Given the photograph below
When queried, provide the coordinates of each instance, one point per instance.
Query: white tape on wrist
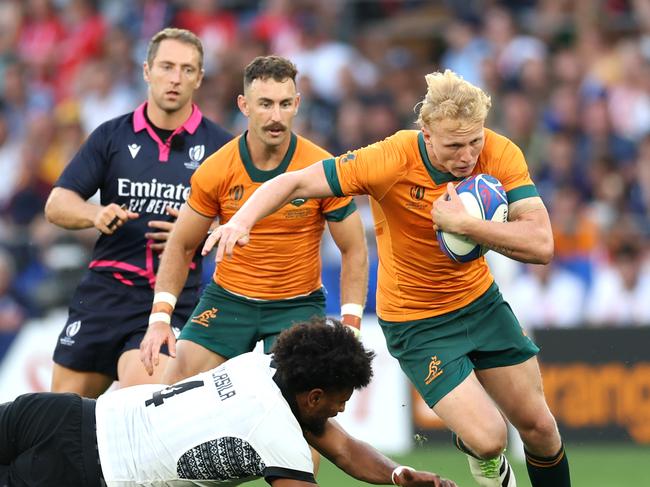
(156, 317)
(399, 470)
(164, 297)
(353, 309)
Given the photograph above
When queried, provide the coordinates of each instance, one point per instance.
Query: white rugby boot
(496, 472)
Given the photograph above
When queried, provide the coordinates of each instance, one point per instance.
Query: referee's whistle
(114, 221)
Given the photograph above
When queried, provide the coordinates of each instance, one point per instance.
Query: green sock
(548, 471)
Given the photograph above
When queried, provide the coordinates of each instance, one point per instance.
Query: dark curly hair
(321, 354)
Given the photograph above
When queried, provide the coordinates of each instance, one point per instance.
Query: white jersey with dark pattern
(221, 427)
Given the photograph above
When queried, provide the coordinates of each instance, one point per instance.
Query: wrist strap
(164, 297)
(156, 317)
(399, 470)
(353, 309)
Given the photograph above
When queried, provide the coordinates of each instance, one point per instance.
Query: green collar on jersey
(438, 177)
(258, 175)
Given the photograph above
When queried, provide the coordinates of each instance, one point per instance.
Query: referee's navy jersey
(125, 159)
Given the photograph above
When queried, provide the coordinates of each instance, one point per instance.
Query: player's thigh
(86, 384)
(224, 323)
(279, 315)
(434, 354)
(131, 371)
(191, 359)
(518, 391)
(470, 412)
(47, 441)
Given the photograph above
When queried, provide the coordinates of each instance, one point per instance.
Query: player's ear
(297, 104)
(145, 71)
(200, 79)
(314, 397)
(243, 105)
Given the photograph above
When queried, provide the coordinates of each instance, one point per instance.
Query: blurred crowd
(569, 80)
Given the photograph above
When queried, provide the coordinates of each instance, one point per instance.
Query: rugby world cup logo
(417, 193)
(71, 330)
(236, 192)
(196, 154)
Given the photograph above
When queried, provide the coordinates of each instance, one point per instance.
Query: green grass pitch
(602, 465)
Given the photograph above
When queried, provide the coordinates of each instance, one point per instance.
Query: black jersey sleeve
(85, 172)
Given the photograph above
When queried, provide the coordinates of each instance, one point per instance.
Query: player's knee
(539, 430)
(490, 449)
(488, 442)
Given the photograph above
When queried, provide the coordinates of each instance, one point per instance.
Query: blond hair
(449, 96)
(183, 35)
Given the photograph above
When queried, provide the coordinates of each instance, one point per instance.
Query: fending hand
(225, 237)
(157, 335)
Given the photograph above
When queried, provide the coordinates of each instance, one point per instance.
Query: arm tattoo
(508, 252)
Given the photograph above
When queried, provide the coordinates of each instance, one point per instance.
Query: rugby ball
(484, 197)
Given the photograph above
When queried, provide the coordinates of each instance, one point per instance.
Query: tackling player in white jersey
(253, 416)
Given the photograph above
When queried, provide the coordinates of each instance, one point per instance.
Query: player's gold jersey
(415, 279)
(282, 259)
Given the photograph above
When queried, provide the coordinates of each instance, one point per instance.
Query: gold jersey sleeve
(415, 279)
(282, 259)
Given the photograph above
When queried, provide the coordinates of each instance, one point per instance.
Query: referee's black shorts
(49, 440)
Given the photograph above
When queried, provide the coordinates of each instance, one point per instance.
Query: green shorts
(438, 353)
(230, 325)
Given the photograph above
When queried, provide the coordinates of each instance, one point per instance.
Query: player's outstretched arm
(309, 182)
(69, 210)
(362, 461)
(186, 235)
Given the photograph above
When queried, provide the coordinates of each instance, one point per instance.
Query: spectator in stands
(547, 296)
(620, 291)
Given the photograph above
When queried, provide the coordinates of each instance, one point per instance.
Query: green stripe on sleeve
(332, 178)
(341, 214)
(522, 192)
